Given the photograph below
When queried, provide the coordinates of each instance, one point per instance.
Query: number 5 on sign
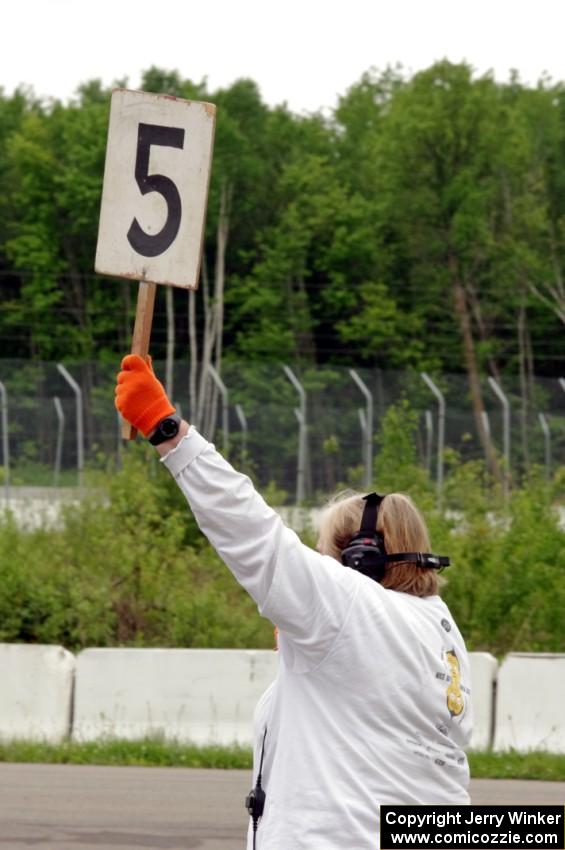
(158, 161)
(155, 191)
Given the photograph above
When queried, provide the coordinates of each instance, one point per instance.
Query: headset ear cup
(366, 550)
(378, 573)
(365, 554)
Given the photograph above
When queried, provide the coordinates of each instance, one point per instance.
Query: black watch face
(169, 427)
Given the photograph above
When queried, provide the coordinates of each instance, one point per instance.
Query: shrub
(129, 567)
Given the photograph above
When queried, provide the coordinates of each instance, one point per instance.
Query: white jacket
(371, 704)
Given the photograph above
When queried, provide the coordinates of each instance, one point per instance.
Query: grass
(160, 753)
(147, 753)
(512, 765)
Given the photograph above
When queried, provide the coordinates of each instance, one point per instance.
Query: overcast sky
(304, 52)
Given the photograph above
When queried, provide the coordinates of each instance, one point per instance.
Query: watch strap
(166, 429)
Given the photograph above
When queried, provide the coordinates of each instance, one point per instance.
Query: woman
(371, 704)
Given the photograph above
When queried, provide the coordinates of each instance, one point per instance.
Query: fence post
(440, 433)
(5, 441)
(497, 389)
(429, 420)
(59, 449)
(367, 429)
(178, 407)
(486, 422)
(362, 421)
(245, 430)
(547, 444)
(224, 393)
(302, 438)
(80, 422)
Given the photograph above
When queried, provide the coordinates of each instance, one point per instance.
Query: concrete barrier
(203, 696)
(36, 688)
(208, 696)
(39, 507)
(484, 668)
(530, 713)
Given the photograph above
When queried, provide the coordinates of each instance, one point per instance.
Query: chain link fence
(303, 431)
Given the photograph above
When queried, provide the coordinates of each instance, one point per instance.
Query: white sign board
(158, 161)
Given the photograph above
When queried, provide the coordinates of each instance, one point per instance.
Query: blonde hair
(403, 529)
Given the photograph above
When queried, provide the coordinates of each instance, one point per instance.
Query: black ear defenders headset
(366, 552)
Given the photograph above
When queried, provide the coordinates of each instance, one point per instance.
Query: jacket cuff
(182, 455)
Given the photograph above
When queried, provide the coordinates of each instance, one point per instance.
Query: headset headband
(370, 513)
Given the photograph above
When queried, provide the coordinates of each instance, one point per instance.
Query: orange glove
(140, 397)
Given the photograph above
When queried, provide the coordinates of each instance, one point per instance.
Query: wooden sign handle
(141, 335)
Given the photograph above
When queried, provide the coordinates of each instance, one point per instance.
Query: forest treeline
(420, 224)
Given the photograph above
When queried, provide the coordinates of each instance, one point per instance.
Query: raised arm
(307, 595)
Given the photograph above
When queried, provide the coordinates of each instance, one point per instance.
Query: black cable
(261, 761)
(255, 802)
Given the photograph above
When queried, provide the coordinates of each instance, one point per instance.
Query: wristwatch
(166, 429)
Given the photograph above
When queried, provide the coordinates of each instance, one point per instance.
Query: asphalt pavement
(82, 807)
